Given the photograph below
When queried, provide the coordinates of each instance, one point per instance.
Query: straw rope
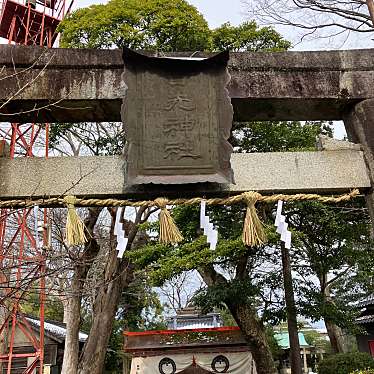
(60, 201)
(253, 230)
(169, 232)
(74, 231)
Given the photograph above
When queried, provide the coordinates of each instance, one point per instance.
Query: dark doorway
(371, 347)
(194, 370)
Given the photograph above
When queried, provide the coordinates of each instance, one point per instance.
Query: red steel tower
(23, 233)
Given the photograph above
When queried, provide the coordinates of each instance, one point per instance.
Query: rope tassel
(169, 232)
(74, 232)
(253, 230)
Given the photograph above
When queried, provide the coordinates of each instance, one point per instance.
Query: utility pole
(295, 357)
(370, 5)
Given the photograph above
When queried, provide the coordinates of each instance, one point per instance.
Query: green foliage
(278, 136)
(227, 318)
(93, 138)
(164, 25)
(276, 350)
(238, 291)
(139, 310)
(315, 339)
(53, 307)
(364, 371)
(248, 37)
(345, 363)
(256, 287)
(332, 240)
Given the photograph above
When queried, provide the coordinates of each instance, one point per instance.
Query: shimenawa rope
(253, 231)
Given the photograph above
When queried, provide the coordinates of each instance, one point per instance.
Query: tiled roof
(365, 319)
(56, 329)
(367, 301)
(186, 321)
(284, 340)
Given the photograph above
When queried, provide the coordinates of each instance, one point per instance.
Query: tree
(152, 24)
(179, 291)
(332, 244)
(162, 25)
(316, 17)
(245, 280)
(248, 37)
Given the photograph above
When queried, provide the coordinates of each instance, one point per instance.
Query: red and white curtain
(231, 362)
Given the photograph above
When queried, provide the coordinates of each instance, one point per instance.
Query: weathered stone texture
(264, 86)
(359, 122)
(178, 118)
(102, 176)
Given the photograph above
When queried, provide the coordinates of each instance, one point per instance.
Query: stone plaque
(177, 116)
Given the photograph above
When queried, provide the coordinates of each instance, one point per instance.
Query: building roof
(365, 319)
(206, 339)
(192, 318)
(284, 340)
(367, 301)
(56, 330)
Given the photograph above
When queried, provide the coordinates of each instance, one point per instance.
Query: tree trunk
(295, 357)
(105, 308)
(254, 333)
(336, 337)
(370, 5)
(118, 274)
(246, 318)
(335, 333)
(72, 318)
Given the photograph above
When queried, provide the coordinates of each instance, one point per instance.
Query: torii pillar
(359, 124)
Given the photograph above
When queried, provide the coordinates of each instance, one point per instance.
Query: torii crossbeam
(65, 85)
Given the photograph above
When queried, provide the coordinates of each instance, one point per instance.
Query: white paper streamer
(121, 246)
(118, 227)
(209, 231)
(214, 240)
(284, 232)
(120, 233)
(282, 221)
(279, 212)
(202, 214)
(282, 226)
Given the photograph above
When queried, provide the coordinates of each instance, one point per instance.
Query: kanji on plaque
(178, 117)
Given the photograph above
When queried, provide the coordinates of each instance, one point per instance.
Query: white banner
(231, 362)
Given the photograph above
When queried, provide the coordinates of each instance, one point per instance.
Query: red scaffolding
(31, 22)
(23, 233)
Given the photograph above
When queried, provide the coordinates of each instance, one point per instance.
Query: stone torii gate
(66, 85)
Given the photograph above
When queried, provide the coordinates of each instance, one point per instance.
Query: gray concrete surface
(322, 172)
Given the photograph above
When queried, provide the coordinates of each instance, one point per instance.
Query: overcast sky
(217, 12)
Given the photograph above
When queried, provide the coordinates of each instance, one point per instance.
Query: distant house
(307, 352)
(365, 320)
(54, 340)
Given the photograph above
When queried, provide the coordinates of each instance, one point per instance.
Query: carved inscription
(174, 121)
(180, 127)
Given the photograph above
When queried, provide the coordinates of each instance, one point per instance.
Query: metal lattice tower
(23, 233)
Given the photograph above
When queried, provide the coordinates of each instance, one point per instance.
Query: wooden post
(295, 357)
(305, 361)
